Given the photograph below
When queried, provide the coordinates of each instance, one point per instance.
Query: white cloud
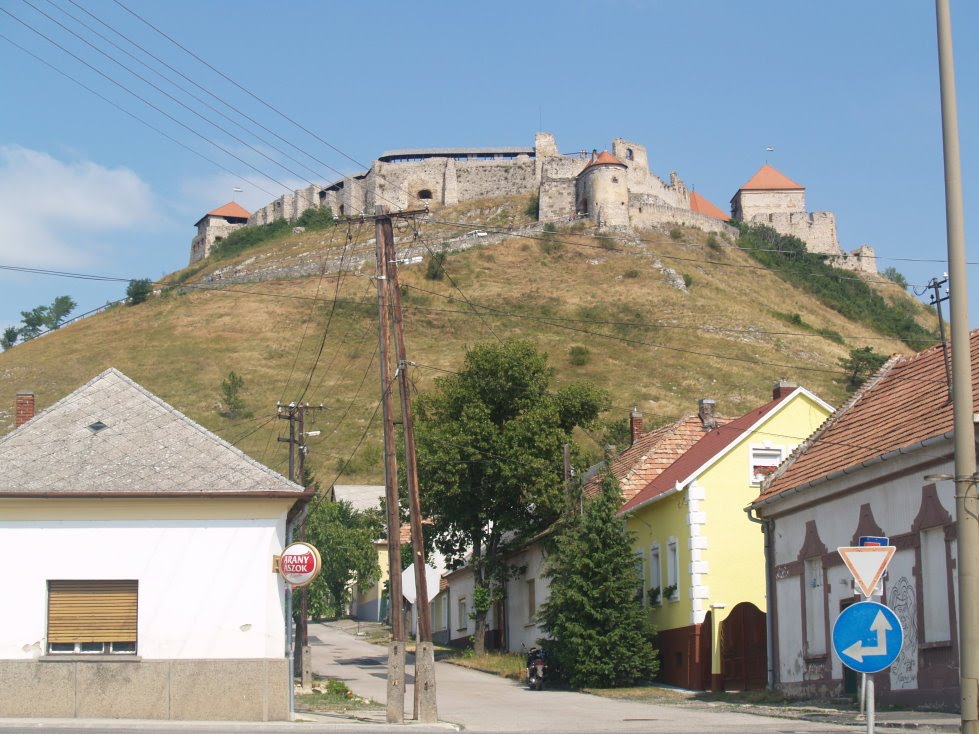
(53, 213)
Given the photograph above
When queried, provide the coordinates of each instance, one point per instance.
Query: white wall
(206, 586)
(521, 629)
(895, 502)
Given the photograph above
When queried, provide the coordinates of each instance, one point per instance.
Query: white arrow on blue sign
(867, 637)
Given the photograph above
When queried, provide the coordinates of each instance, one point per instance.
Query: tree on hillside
(231, 389)
(45, 318)
(345, 538)
(490, 458)
(861, 364)
(138, 291)
(9, 338)
(600, 634)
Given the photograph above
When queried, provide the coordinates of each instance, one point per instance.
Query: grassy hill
(658, 320)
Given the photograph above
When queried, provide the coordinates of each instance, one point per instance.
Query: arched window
(628, 154)
(425, 194)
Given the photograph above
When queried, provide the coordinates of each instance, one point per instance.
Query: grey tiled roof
(360, 496)
(146, 447)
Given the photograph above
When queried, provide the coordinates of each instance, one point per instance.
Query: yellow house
(703, 560)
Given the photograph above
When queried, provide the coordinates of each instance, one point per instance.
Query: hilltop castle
(615, 189)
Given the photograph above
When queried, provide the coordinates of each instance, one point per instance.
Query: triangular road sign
(867, 564)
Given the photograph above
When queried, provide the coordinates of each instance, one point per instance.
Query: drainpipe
(766, 528)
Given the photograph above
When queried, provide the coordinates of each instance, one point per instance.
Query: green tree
(231, 389)
(9, 338)
(893, 274)
(435, 270)
(33, 322)
(138, 291)
(861, 364)
(58, 311)
(490, 458)
(600, 634)
(345, 538)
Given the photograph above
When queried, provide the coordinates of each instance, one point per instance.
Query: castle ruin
(615, 189)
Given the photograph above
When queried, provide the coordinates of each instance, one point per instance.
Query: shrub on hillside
(138, 291)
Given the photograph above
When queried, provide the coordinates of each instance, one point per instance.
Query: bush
(676, 234)
(436, 267)
(631, 273)
(138, 291)
(579, 355)
(533, 207)
(893, 275)
(687, 280)
(231, 389)
(713, 243)
(838, 289)
(316, 218)
(248, 237)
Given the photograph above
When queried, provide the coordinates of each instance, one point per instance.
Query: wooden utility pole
(396, 648)
(426, 709)
(296, 415)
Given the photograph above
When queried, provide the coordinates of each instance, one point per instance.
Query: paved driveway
(486, 703)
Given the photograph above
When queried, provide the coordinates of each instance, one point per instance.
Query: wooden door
(744, 650)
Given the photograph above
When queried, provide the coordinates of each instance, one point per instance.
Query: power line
(144, 100)
(134, 116)
(170, 96)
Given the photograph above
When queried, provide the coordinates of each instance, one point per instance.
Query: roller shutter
(92, 611)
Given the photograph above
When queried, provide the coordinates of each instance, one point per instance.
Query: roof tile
(767, 178)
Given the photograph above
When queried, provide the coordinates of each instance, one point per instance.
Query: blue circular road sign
(867, 637)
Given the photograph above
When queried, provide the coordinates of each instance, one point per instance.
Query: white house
(863, 474)
(138, 566)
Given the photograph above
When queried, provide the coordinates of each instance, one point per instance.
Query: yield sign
(867, 564)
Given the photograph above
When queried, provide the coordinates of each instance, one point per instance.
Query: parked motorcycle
(536, 668)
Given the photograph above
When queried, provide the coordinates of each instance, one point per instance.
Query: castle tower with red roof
(772, 198)
(215, 226)
(602, 190)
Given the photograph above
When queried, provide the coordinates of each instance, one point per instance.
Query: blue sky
(846, 92)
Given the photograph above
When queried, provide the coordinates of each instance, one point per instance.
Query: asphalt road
(480, 702)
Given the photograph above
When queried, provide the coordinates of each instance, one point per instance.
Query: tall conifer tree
(600, 634)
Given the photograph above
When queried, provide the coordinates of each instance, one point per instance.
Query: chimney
(707, 413)
(23, 408)
(635, 425)
(782, 388)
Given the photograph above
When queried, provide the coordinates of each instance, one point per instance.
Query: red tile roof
(231, 209)
(767, 178)
(650, 455)
(700, 453)
(903, 405)
(700, 205)
(604, 159)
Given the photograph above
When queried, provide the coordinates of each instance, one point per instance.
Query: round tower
(602, 191)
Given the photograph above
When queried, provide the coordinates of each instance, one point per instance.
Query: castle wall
(646, 211)
(816, 229)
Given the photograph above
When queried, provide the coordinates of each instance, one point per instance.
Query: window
(934, 580)
(671, 592)
(531, 599)
(815, 608)
(655, 576)
(629, 154)
(463, 622)
(92, 617)
(425, 194)
(641, 573)
(763, 462)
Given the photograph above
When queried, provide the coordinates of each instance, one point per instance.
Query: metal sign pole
(870, 704)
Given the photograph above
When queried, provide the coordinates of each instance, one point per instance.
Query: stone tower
(602, 191)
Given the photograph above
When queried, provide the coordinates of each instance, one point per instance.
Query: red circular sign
(299, 564)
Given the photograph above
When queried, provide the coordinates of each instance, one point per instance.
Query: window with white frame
(815, 597)
(92, 617)
(641, 574)
(655, 576)
(934, 580)
(463, 621)
(672, 590)
(764, 460)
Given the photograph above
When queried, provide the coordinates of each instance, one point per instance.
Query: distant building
(772, 198)
(215, 226)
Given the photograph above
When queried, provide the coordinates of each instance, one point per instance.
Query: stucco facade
(696, 545)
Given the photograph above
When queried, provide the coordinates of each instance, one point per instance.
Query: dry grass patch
(507, 665)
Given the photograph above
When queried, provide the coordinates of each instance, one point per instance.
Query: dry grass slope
(649, 340)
